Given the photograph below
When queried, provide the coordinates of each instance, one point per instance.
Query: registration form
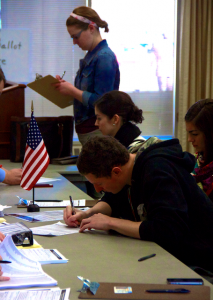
(56, 229)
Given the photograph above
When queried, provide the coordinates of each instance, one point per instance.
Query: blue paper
(22, 201)
(88, 285)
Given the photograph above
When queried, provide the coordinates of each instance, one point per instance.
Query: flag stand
(33, 207)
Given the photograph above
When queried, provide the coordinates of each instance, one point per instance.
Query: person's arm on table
(10, 176)
(74, 220)
(13, 176)
(103, 222)
(2, 278)
(2, 174)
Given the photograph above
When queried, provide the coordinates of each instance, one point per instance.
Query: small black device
(21, 234)
(185, 281)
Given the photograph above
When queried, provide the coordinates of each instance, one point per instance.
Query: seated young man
(149, 195)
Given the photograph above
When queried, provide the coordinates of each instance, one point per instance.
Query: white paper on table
(23, 271)
(36, 294)
(63, 203)
(44, 256)
(42, 216)
(49, 203)
(81, 202)
(2, 207)
(44, 180)
(56, 229)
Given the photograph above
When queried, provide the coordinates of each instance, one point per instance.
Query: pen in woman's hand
(5, 262)
(72, 205)
(63, 75)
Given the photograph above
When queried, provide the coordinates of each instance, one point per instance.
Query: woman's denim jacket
(98, 74)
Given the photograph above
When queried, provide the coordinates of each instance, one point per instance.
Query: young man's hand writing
(73, 220)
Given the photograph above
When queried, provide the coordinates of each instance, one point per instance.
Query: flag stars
(34, 136)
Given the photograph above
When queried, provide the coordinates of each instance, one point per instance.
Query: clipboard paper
(45, 88)
(106, 291)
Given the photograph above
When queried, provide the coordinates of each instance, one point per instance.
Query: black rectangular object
(57, 133)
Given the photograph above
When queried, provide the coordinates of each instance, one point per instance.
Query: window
(141, 33)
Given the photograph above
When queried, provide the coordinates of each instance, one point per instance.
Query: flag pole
(33, 207)
(33, 195)
(32, 108)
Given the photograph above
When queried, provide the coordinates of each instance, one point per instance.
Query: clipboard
(44, 88)
(106, 291)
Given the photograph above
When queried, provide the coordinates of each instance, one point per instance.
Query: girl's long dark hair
(120, 103)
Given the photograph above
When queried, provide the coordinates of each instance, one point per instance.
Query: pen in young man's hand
(72, 205)
(5, 262)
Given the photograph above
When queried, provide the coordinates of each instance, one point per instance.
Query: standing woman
(98, 72)
(116, 114)
(199, 125)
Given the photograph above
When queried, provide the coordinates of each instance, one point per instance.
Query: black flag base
(33, 208)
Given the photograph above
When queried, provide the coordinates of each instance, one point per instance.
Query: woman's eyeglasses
(76, 36)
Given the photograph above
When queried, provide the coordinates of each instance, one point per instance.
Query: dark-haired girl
(199, 125)
(116, 114)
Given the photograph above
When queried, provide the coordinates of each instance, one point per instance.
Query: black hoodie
(177, 214)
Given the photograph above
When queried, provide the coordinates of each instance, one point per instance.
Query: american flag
(36, 158)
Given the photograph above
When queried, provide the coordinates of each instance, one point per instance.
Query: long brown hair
(88, 13)
(201, 115)
(120, 103)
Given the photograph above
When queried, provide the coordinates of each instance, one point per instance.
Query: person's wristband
(2, 174)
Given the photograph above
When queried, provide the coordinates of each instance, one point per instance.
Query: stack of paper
(23, 271)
